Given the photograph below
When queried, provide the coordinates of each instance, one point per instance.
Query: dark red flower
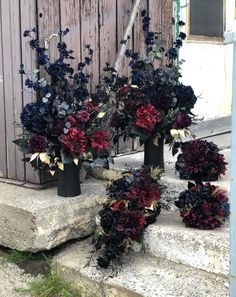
(100, 140)
(37, 144)
(74, 140)
(83, 116)
(183, 120)
(90, 107)
(119, 205)
(147, 117)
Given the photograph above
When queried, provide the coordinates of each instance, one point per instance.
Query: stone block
(169, 239)
(34, 220)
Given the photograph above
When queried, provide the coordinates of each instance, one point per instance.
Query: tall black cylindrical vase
(153, 154)
(69, 181)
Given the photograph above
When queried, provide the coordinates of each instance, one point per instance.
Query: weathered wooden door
(100, 23)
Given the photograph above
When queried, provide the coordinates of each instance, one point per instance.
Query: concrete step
(34, 220)
(169, 239)
(142, 275)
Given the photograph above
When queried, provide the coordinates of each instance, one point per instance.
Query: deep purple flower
(183, 120)
(200, 160)
(37, 144)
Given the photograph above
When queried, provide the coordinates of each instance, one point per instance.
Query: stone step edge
(141, 276)
(169, 239)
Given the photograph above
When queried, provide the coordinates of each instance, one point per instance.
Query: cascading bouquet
(66, 124)
(200, 160)
(154, 104)
(133, 204)
(203, 206)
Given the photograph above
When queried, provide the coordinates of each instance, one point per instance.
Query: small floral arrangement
(153, 102)
(203, 206)
(66, 124)
(133, 204)
(200, 160)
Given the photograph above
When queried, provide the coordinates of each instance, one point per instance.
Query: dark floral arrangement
(66, 124)
(200, 160)
(133, 204)
(203, 206)
(153, 102)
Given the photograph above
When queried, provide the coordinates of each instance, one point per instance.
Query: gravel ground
(12, 278)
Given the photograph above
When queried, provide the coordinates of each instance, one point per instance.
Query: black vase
(154, 155)
(69, 181)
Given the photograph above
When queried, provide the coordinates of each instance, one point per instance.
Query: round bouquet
(133, 204)
(66, 124)
(154, 105)
(200, 160)
(203, 206)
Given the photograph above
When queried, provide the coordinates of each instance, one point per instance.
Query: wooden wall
(100, 23)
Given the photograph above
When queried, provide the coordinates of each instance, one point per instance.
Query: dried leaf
(181, 133)
(44, 157)
(174, 133)
(76, 161)
(34, 156)
(101, 115)
(60, 166)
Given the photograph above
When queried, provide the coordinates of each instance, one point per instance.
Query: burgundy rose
(74, 140)
(90, 107)
(100, 140)
(71, 119)
(83, 116)
(108, 219)
(147, 117)
(119, 205)
(183, 120)
(37, 144)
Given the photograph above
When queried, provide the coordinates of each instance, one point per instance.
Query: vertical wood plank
(12, 83)
(17, 81)
(3, 151)
(90, 35)
(167, 15)
(139, 36)
(28, 21)
(123, 12)
(9, 107)
(49, 22)
(70, 18)
(155, 13)
(108, 32)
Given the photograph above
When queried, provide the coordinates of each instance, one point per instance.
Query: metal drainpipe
(177, 17)
(230, 37)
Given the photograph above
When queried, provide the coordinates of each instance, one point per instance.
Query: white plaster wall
(208, 69)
